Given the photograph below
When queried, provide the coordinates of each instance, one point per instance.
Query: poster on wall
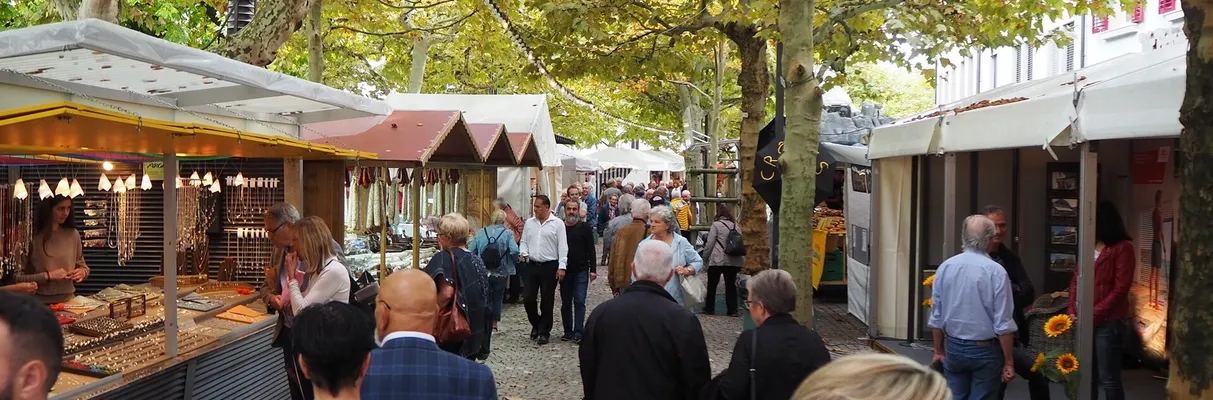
(1152, 223)
(1062, 219)
(858, 208)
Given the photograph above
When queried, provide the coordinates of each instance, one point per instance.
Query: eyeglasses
(276, 228)
(385, 305)
(747, 303)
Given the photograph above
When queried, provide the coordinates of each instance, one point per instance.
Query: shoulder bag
(452, 325)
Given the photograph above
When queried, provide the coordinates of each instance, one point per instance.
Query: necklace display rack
(15, 226)
(248, 244)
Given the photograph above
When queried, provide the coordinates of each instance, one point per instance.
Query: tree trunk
(754, 80)
(420, 55)
(105, 10)
(272, 25)
(718, 68)
(68, 9)
(315, 42)
(1191, 306)
(798, 163)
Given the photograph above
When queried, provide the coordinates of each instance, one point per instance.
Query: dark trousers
(730, 289)
(514, 290)
(1109, 354)
(540, 280)
(572, 302)
(301, 387)
(1038, 384)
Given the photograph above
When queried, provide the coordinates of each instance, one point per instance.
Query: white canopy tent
(106, 61)
(1136, 96)
(520, 113)
(573, 159)
(615, 157)
(674, 162)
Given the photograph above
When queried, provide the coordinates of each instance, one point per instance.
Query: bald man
(409, 364)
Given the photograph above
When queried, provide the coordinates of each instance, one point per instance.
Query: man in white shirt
(543, 251)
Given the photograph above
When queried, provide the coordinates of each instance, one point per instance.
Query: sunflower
(1058, 325)
(1040, 362)
(927, 302)
(1067, 363)
(929, 281)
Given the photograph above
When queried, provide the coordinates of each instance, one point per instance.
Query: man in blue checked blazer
(409, 365)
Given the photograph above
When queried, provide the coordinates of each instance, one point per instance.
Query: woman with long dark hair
(720, 263)
(1115, 263)
(56, 257)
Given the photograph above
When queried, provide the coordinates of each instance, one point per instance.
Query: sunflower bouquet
(928, 283)
(1059, 365)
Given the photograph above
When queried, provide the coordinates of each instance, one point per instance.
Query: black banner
(768, 180)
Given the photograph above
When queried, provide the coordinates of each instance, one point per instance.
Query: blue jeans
(496, 295)
(973, 369)
(572, 293)
(1109, 352)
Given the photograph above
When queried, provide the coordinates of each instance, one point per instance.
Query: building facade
(1095, 40)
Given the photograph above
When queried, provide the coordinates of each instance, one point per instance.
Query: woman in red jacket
(1114, 267)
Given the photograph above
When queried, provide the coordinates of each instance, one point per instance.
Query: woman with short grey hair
(687, 262)
(780, 352)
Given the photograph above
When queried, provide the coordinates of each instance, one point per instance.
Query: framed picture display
(1062, 217)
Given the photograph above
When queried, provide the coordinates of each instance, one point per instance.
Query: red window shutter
(1166, 6)
(1099, 24)
(1139, 13)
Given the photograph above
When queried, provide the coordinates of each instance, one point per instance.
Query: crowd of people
(431, 329)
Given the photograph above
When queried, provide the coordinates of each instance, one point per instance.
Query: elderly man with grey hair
(278, 221)
(642, 344)
(623, 242)
(792, 351)
(618, 217)
(972, 316)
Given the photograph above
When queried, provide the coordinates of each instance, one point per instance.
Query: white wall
(972, 75)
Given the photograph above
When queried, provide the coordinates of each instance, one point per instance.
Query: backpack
(491, 255)
(733, 244)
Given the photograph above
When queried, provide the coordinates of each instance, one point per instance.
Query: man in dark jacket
(642, 344)
(781, 351)
(1023, 294)
(580, 271)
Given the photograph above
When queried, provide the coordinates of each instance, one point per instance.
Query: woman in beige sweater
(56, 257)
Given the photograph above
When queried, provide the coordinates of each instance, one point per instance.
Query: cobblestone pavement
(525, 370)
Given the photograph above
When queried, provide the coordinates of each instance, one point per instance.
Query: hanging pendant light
(195, 180)
(180, 184)
(130, 182)
(208, 179)
(119, 187)
(19, 190)
(147, 182)
(63, 188)
(215, 187)
(239, 179)
(44, 190)
(104, 184)
(75, 190)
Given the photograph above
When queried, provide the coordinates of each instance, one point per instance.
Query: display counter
(832, 225)
(128, 361)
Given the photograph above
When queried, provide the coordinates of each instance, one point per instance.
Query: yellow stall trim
(65, 127)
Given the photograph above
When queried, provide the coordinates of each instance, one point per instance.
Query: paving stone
(525, 370)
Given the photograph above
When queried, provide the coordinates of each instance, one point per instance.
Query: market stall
(93, 112)
(1118, 146)
(519, 113)
(422, 152)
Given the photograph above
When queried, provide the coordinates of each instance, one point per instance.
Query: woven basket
(1042, 309)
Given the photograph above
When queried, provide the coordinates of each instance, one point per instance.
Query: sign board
(154, 170)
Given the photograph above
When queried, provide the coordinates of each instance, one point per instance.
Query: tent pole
(418, 175)
(170, 252)
(1087, 179)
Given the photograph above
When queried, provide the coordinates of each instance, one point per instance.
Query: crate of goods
(833, 270)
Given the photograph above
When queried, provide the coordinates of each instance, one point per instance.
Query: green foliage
(900, 92)
(193, 23)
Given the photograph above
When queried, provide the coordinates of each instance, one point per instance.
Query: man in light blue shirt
(972, 317)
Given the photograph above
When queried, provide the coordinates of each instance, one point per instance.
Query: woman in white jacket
(314, 274)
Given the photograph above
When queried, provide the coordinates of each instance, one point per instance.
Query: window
(1031, 65)
(1018, 64)
(1139, 13)
(1069, 29)
(993, 71)
(1099, 24)
(1166, 6)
